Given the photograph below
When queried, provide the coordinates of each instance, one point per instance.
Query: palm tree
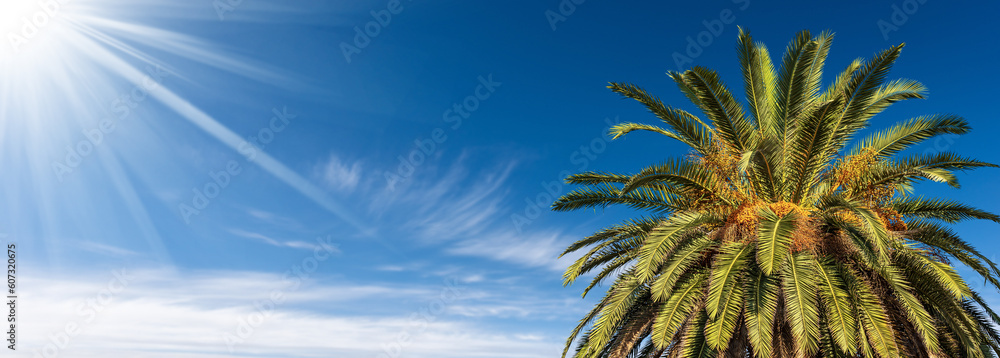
(773, 237)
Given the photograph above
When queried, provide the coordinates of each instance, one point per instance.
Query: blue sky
(253, 178)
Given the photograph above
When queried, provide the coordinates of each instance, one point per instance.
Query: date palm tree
(783, 232)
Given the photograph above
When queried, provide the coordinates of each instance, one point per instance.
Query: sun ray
(59, 80)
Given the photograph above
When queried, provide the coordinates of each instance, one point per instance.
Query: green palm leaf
(875, 325)
(892, 92)
(725, 294)
(800, 289)
(916, 130)
(683, 259)
(761, 308)
(659, 199)
(719, 106)
(623, 297)
(662, 241)
(775, 238)
(758, 78)
(811, 150)
(940, 209)
(935, 167)
(695, 345)
(677, 309)
(859, 93)
(684, 126)
(793, 81)
(838, 309)
(680, 174)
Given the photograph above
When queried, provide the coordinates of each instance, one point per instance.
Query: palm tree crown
(774, 237)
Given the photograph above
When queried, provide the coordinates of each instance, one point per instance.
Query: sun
(28, 24)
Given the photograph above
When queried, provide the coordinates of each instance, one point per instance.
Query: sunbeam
(63, 57)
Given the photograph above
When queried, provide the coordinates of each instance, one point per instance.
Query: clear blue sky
(116, 117)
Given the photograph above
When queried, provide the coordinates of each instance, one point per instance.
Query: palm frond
(683, 259)
(766, 163)
(663, 240)
(839, 311)
(725, 293)
(758, 79)
(875, 324)
(793, 81)
(918, 316)
(859, 93)
(810, 149)
(935, 167)
(906, 134)
(684, 127)
(892, 92)
(678, 173)
(594, 178)
(623, 297)
(659, 199)
(800, 289)
(695, 344)
(678, 308)
(718, 104)
(761, 308)
(941, 209)
(775, 239)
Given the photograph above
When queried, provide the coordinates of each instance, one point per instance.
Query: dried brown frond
(837, 244)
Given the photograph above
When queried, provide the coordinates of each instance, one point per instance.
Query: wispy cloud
(449, 213)
(338, 174)
(105, 249)
(391, 268)
(466, 212)
(295, 244)
(534, 250)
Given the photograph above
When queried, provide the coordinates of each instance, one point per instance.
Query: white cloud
(338, 174)
(158, 314)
